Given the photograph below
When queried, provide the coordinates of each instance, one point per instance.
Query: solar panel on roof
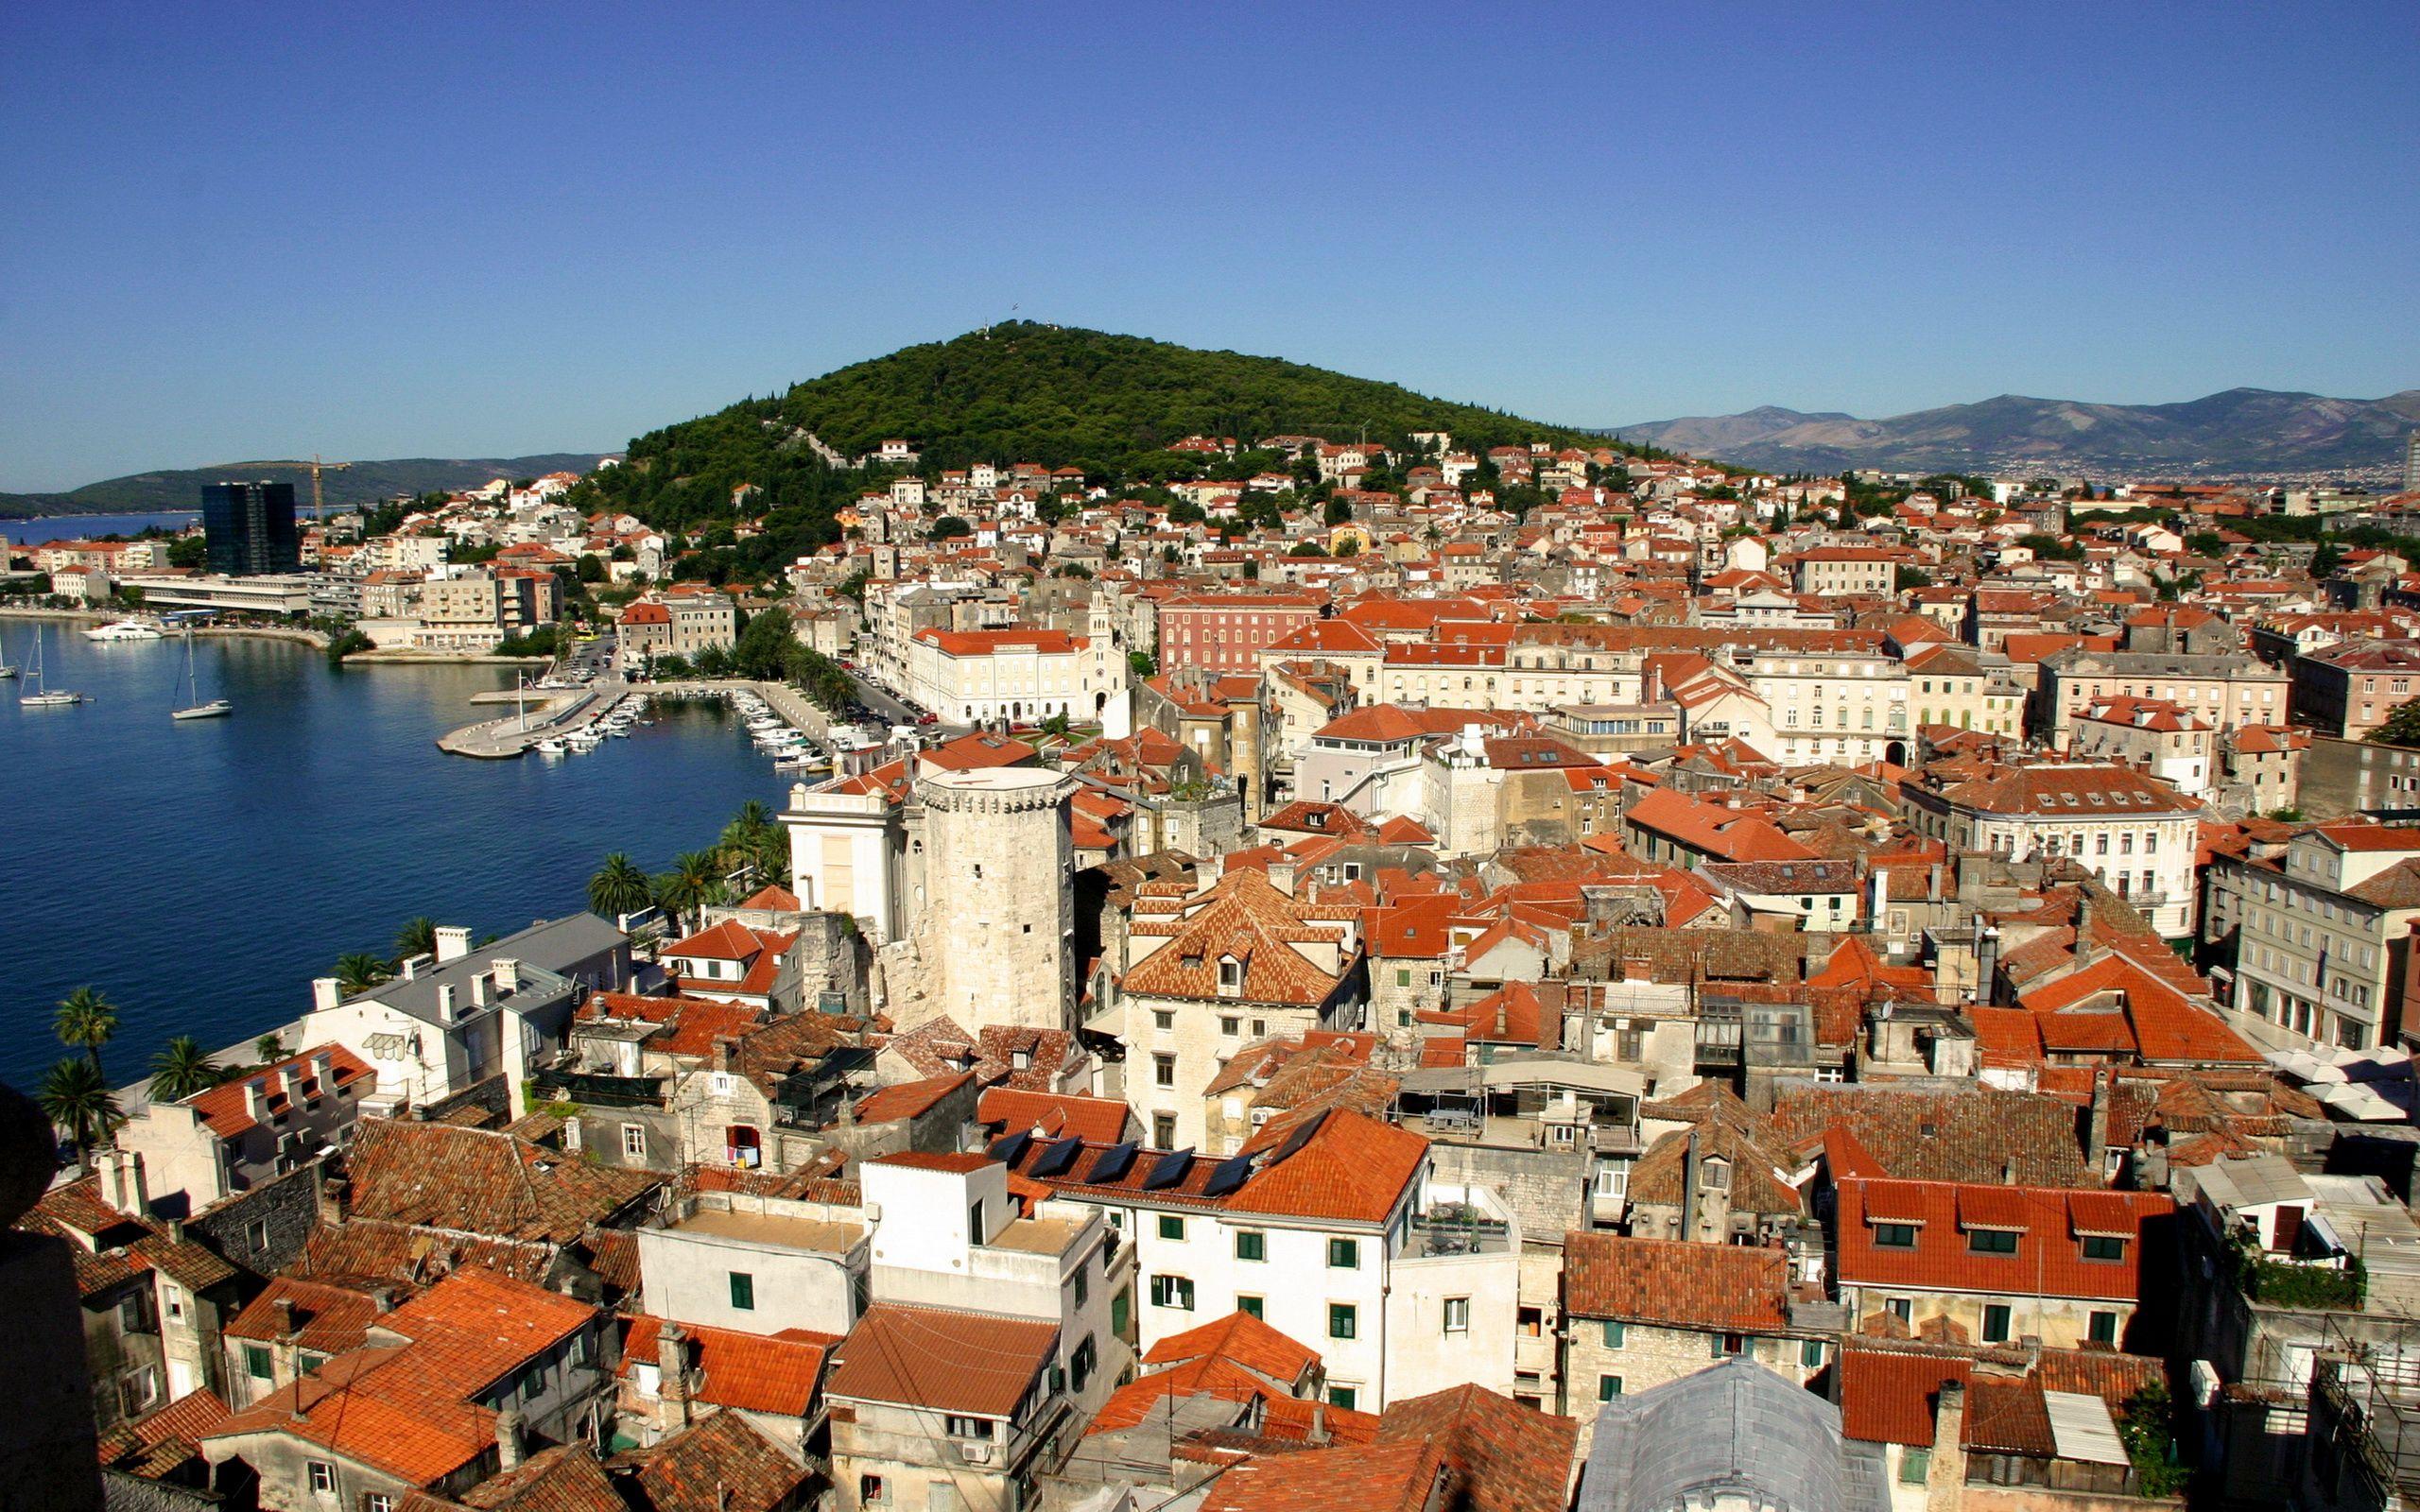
(1301, 1135)
(1229, 1176)
(1055, 1161)
(1168, 1170)
(1113, 1163)
(1010, 1150)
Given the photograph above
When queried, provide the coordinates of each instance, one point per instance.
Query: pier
(554, 713)
(557, 713)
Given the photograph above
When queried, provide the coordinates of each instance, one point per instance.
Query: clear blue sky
(255, 230)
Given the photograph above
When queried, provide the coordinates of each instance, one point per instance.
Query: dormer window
(1231, 975)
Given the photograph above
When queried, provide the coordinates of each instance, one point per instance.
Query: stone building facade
(997, 898)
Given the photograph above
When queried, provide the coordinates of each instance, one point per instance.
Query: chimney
(332, 1196)
(445, 1002)
(479, 990)
(122, 1183)
(323, 1066)
(1654, 688)
(1319, 1421)
(507, 974)
(672, 1373)
(412, 965)
(256, 1099)
(1945, 1478)
(508, 1439)
(324, 992)
(283, 1307)
(722, 1053)
(2104, 1086)
(453, 943)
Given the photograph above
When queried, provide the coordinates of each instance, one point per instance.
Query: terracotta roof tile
(1678, 1283)
(776, 1375)
(721, 1465)
(483, 1182)
(971, 1363)
(1506, 1457)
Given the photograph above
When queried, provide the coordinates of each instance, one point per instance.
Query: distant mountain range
(362, 483)
(2241, 431)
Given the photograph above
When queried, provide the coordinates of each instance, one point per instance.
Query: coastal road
(882, 703)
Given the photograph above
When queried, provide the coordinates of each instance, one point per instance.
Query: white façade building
(1022, 676)
(1329, 1228)
(2131, 831)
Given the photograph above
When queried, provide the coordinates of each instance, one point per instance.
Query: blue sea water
(90, 526)
(202, 872)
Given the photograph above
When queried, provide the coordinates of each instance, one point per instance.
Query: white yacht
(42, 697)
(197, 707)
(123, 631)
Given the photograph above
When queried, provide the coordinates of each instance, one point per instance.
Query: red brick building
(1225, 632)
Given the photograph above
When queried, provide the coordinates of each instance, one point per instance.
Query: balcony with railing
(596, 1088)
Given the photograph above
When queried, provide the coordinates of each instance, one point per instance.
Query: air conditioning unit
(974, 1454)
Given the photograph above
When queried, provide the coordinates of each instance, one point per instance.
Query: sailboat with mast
(8, 668)
(42, 697)
(198, 708)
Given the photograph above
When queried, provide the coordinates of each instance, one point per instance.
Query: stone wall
(264, 1229)
(121, 1492)
(2347, 777)
(996, 931)
(1546, 1190)
(832, 957)
(494, 1095)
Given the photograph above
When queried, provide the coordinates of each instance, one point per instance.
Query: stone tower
(997, 925)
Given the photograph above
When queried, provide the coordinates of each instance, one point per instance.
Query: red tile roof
(1369, 1478)
(1506, 1457)
(1350, 1167)
(2049, 1260)
(223, 1107)
(721, 1465)
(909, 1099)
(776, 1375)
(1101, 1119)
(409, 1409)
(1677, 1282)
(976, 1364)
(1240, 1339)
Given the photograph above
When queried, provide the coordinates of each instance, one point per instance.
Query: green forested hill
(1017, 393)
(1032, 393)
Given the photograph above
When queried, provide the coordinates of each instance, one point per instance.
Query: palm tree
(359, 972)
(86, 1020)
(418, 937)
(747, 840)
(270, 1047)
(182, 1069)
(687, 885)
(619, 887)
(79, 1101)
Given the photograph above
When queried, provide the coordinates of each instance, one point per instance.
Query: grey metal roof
(545, 950)
(1734, 1434)
(2248, 1183)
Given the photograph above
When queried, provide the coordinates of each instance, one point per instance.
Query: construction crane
(317, 466)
